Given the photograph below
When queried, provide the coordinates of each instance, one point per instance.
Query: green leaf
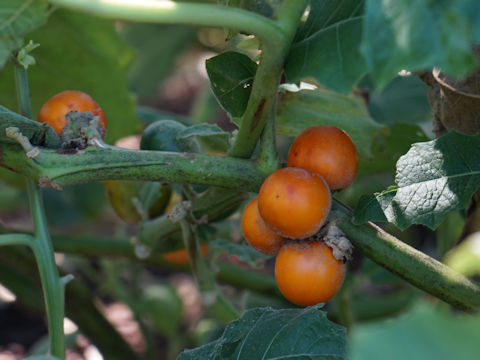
(300, 110)
(390, 143)
(40, 357)
(264, 333)
(82, 53)
(433, 179)
(425, 332)
(244, 252)
(157, 49)
(419, 34)
(210, 136)
(327, 47)
(203, 130)
(17, 18)
(161, 305)
(403, 100)
(231, 75)
(37, 133)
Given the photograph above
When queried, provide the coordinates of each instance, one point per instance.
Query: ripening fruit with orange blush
(307, 273)
(54, 110)
(257, 234)
(294, 202)
(327, 151)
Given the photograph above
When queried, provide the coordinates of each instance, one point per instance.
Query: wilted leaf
(433, 179)
(264, 333)
(300, 110)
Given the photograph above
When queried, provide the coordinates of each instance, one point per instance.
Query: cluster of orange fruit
(293, 204)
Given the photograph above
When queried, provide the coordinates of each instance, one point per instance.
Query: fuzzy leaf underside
(433, 179)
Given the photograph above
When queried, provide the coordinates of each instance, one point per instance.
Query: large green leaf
(327, 46)
(300, 110)
(17, 18)
(231, 75)
(419, 34)
(264, 333)
(425, 332)
(157, 48)
(82, 53)
(433, 179)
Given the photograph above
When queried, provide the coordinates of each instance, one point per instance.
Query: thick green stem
(267, 79)
(187, 13)
(268, 156)
(53, 287)
(412, 265)
(51, 169)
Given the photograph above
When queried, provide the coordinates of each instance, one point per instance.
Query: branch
(266, 81)
(51, 169)
(170, 12)
(410, 264)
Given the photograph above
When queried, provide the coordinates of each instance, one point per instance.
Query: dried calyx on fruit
(333, 237)
(75, 117)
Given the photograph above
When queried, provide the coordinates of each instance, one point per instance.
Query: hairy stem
(52, 169)
(410, 264)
